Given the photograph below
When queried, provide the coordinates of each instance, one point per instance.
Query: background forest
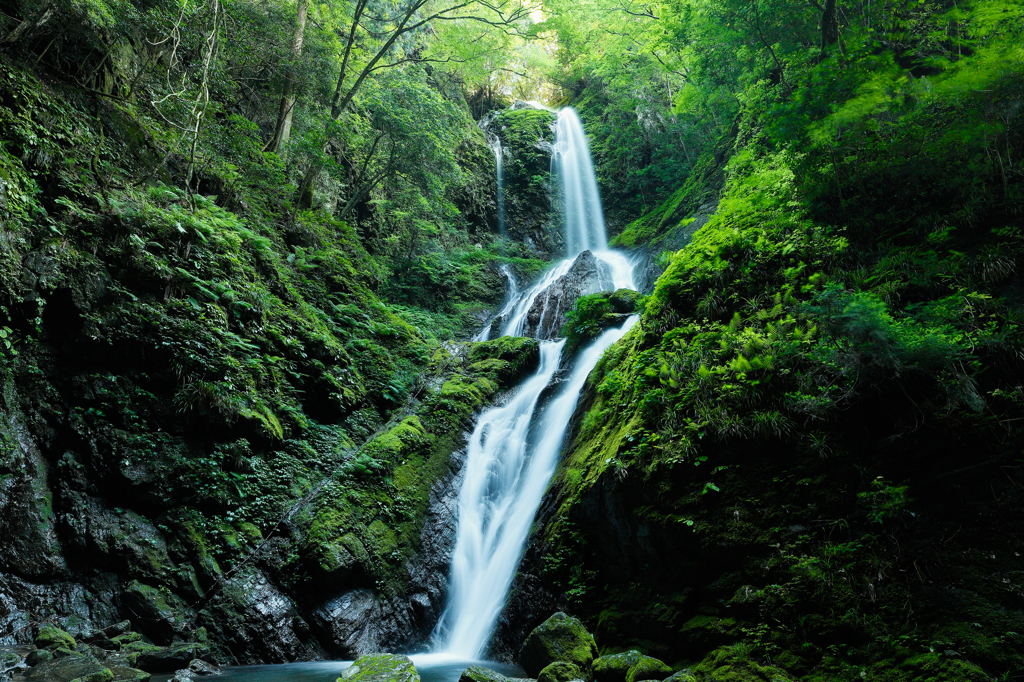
(243, 240)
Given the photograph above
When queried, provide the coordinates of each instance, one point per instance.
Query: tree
(284, 118)
(375, 34)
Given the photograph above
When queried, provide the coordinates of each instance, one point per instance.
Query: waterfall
(494, 142)
(514, 448)
(571, 164)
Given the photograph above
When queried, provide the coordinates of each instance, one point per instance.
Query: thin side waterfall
(571, 164)
(494, 142)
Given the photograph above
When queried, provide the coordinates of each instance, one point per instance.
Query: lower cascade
(513, 450)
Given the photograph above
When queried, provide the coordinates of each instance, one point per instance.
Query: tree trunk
(284, 117)
(829, 23)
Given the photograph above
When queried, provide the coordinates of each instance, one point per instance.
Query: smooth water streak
(511, 460)
(571, 164)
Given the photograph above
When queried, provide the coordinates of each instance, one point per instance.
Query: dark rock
(123, 540)
(200, 667)
(100, 641)
(685, 675)
(478, 673)
(38, 656)
(52, 637)
(127, 638)
(261, 622)
(30, 547)
(587, 275)
(117, 629)
(128, 674)
(346, 618)
(560, 671)
(381, 668)
(613, 668)
(70, 668)
(559, 638)
(647, 668)
(155, 612)
(172, 658)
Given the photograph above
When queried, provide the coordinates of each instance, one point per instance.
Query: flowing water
(513, 450)
(571, 164)
(494, 142)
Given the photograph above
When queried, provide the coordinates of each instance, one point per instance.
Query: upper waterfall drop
(577, 183)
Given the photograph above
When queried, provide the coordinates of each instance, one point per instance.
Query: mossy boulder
(52, 637)
(38, 656)
(613, 667)
(560, 671)
(731, 664)
(681, 676)
(559, 638)
(76, 667)
(478, 673)
(506, 359)
(102, 675)
(624, 300)
(381, 668)
(647, 668)
(169, 659)
(127, 638)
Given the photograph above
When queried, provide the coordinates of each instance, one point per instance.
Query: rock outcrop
(588, 275)
(561, 638)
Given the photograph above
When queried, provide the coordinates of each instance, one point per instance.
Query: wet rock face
(526, 138)
(30, 547)
(358, 622)
(588, 275)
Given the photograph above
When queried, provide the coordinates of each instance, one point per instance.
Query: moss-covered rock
(52, 637)
(38, 656)
(624, 300)
(127, 638)
(478, 673)
(613, 667)
(647, 668)
(733, 664)
(167, 659)
(560, 671)
(685, 675)
(70, 668)
(381, 668)
(157, 611)
(559, 638)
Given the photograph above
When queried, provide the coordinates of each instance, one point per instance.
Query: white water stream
(514, 448)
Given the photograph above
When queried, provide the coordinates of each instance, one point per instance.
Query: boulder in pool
(478, 673)
(381, 668)
(559, 638)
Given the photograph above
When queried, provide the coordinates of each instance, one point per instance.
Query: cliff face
(211, 418)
